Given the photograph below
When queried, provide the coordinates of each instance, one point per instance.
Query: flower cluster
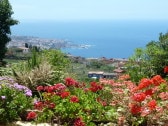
(95, 87)
(10, 82)
(146, 96)
(146, 101)
(71, 100)
(15, 99)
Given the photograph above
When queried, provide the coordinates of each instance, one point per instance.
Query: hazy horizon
(75, 10)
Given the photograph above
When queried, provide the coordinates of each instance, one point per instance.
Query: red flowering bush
(120, 102)
(145, 103)
(66, 102)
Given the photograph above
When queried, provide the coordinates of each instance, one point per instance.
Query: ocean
(110, 39)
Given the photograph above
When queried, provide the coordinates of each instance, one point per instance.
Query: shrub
(71, 102)
(42, 69)
(15, 99)
(42, 75)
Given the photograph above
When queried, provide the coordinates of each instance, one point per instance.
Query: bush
(72, 101)
(15, 100)
(42, 69)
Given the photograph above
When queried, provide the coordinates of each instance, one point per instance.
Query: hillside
(43, 43)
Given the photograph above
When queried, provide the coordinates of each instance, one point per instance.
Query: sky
(70, 10)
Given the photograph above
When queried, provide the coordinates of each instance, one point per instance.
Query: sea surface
(110, 39)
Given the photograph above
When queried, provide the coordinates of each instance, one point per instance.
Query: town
(94, 68)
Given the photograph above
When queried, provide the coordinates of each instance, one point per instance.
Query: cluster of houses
(117, 63)
(119, 69)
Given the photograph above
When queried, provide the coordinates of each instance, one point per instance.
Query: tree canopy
(6, 21)
(150, 60)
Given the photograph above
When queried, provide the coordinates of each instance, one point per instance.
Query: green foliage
(5, 22)
(91, 106)
(5, 71)
(43, 68)
(57, 59)
(99, 65)
(13, 100)
(35, 60)
(150, 60)
(58, 62)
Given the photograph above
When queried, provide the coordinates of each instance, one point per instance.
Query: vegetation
(56, 97)
(15, 100)
(41, 88)
(150, 60)
(43, 68)
(5, 22)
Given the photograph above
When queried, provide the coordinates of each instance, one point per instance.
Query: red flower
(64, 94)
(157, 80)
(139, 97)
(166, 69)
(49, 89)
(39, 88)
(59, 87)
(144, 83)
(31, 115)
(74, 99)
(152, 104)
(79, 122)
(149, 92)
(70, 82)
(95, 87)
(51, 105)
(38, 105)
(135, 109)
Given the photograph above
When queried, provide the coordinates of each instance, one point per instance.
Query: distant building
(118, 71)
(100, 74)
(24, 49)
(95, 74)
(110, 75)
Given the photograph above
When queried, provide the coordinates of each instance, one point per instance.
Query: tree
(150, 60)
(6, 21)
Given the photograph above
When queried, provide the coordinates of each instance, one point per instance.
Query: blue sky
(70, 10)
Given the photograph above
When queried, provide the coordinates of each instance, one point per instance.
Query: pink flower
(39, 88)
(145, 111)
(163, 95)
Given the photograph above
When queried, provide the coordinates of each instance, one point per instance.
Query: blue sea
(110, 39)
